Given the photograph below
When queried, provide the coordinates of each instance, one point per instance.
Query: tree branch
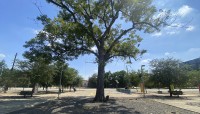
(117, 39)
(146, 23)
(65, 7)
(110, 25)
(88, 50)
(119, 55)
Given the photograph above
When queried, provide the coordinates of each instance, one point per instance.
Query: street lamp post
(143, 79)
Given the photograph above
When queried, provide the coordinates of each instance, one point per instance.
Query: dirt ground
(12, 102)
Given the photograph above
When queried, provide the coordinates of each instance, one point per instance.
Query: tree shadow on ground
(52, 92)
(77, 105)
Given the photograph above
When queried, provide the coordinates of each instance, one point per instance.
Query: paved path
(188, 102)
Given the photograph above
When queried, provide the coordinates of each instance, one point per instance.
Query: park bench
(177, 93)
(25, 93)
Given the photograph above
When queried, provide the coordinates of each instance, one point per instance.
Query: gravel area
(84, 105)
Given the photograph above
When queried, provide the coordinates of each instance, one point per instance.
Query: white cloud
(194, 50)
(2, 56)
(172, 32)
(173, 29)
(160, 3)
(147, 54)
(190, 28)
(176, 25)
(184, 10)
(161, 14)
(157, 34)
(168, 53)
(145, 61)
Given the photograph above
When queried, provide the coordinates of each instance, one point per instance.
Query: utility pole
(14, 62)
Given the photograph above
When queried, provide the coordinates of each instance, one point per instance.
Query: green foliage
(92, 81)
(107, 79)
(5, 75)
(118, 79)
(69, 76)
(194, 78)
(38, 48)
(28, 73)
(168, 71)
(6, 78)
(78, 81)
(38, 71)
(80, 25)
(133, 78)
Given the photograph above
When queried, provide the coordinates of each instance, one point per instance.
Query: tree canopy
(166, 72)
(109, 25)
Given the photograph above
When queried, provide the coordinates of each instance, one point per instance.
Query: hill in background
(194, 64)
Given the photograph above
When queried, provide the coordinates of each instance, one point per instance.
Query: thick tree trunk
(100, 97)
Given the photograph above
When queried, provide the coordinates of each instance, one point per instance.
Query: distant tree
(194, 78)
(59, 77)
(78, 81)
(5, 76)
(71, 75)
(92, 81)
(24, 73)
(167, 72)
(107, 79)
(133, 78)
(119, 79)
(2, 66)
(39, 71)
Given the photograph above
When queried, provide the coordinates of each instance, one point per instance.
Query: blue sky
(17, 25)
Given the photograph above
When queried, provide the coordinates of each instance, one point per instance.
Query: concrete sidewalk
(187, 101)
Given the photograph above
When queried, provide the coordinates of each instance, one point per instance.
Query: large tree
(168, 72)
(110, 26)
